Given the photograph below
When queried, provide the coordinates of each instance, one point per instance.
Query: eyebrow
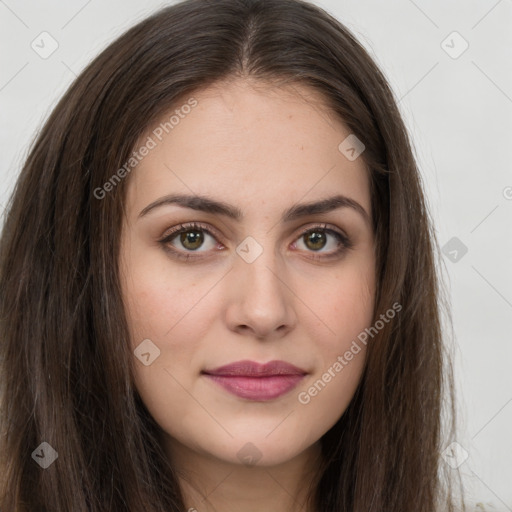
(212, 206)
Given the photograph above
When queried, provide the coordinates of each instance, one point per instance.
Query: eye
(317, 238)
(191, 237)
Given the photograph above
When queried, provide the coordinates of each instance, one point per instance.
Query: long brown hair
(66, 364)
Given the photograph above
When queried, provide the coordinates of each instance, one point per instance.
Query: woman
(218, 280)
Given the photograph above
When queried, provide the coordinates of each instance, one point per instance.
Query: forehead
(253, 142)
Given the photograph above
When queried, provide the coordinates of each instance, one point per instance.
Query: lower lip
(258, 388)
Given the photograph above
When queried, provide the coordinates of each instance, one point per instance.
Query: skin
(262, 149)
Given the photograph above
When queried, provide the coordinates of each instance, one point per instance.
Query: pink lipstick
(255, 381)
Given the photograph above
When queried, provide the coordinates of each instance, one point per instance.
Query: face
(254, 277)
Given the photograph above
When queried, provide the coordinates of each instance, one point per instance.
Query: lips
(255, 381)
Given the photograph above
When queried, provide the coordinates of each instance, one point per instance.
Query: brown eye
(315, 240)
(320, 237)
(186, 239)
(192, 239)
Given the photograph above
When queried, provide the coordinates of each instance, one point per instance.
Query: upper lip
(254, 369)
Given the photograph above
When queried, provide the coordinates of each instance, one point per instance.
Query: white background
(459, 114)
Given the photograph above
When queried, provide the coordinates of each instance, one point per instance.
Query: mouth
(254, 381)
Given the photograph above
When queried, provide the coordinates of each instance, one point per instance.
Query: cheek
(162, 313)
(172, 318)
(346, 310)
(345, 305)
(160, 300)
(325, 397)
(171, 309)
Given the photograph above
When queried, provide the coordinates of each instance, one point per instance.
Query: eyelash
(344, 242)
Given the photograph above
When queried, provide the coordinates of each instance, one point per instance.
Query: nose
(261, 302)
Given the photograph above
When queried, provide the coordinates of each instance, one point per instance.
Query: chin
(261, 450)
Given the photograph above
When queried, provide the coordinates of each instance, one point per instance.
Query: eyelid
(189, 226)
(329, 228)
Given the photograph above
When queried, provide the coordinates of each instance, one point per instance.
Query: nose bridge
(261, 299)
(259, 267)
